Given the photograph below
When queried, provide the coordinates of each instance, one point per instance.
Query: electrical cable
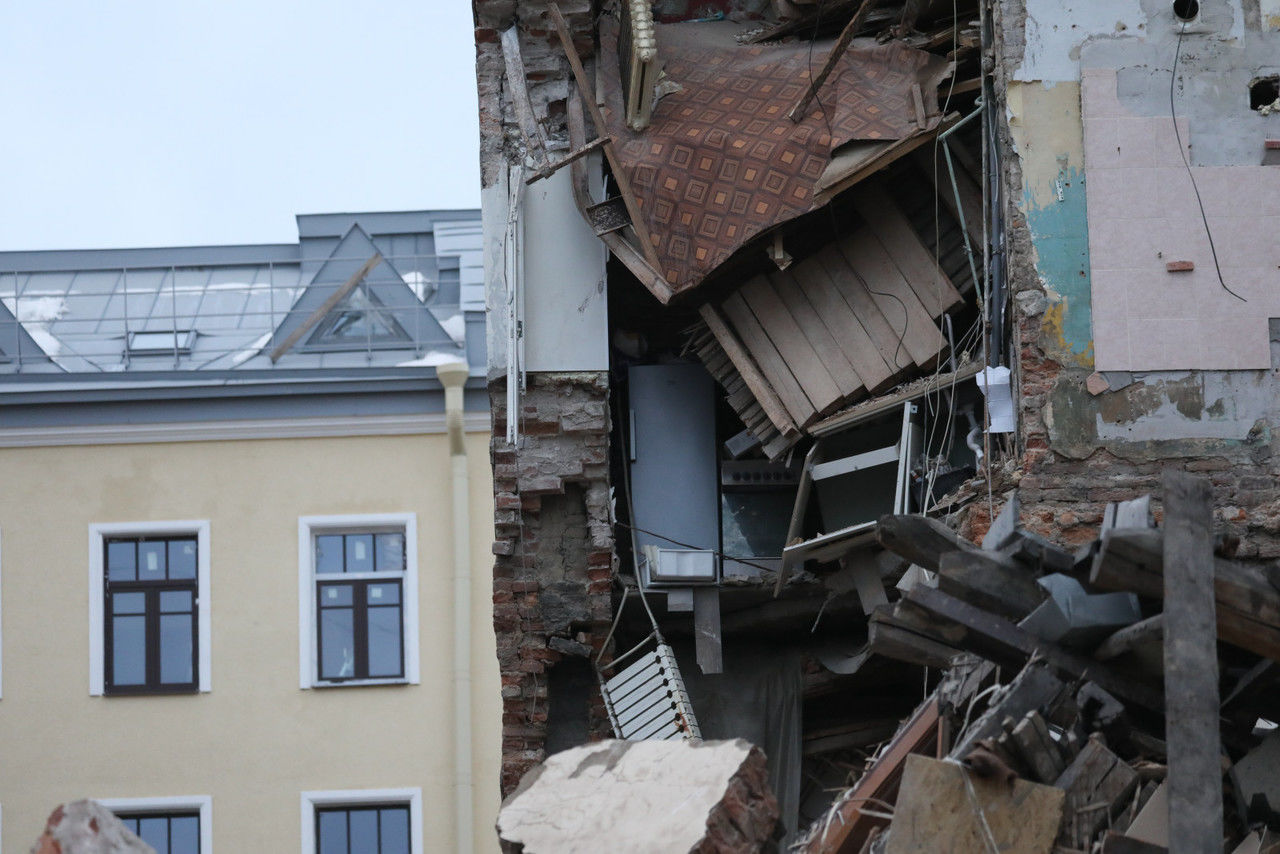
(1182, 150)
(716, 552)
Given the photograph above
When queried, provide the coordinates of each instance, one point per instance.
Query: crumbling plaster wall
(1080, 445)
(553, 546)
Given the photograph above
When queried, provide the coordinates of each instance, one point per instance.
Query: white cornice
(214, 431)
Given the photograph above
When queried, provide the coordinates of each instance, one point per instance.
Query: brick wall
(554, 560)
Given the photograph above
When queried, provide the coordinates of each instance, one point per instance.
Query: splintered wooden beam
(1191, 667)
(327, 306)
(597, 117)
(552, 168)
(841, 45)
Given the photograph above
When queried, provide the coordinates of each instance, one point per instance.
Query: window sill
(355, 683)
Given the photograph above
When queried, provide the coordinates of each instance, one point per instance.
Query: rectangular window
(151, 614)
(167, 833)
(170, 825)
(362, 821)
(358, 588)
(149, 608)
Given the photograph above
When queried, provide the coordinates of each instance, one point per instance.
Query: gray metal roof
(215, 308)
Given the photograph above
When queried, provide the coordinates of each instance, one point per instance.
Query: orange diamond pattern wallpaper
(721, 161)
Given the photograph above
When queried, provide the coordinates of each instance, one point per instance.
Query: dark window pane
(333, 833)
(359, 552)
(128, 603)
(182, 559)
(176, 600)
(390, 552)
(184, 835)
(329, 553)
(131, 824)
(384, 641)
(337, 644)
(384, 594)
(122, 561)
(364, 831)
(176, 645)
(128, 650)
(151, 561)
(395, 830)
(155, 832)
(332, 595)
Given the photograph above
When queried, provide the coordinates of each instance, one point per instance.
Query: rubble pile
(1114, 698)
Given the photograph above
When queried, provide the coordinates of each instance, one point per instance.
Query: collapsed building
(765, 277)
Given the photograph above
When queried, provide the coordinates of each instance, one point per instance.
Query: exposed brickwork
(744, 819)
(554, 560)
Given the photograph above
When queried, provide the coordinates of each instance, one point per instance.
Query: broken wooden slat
(1248, 606)
(552, 168)
(842, 44)
(865, 307)
(327, 306)
(936, 292)
(1031, 737)
(1002, 642)
(747, 369)
(913, 327)
(869, 409)
(854, 827)
(850, 330)
(1191, 667)
(790, 342)
(820, 338)
(771, 363)
(615, 165)
(1095, 776)
(1125, 639)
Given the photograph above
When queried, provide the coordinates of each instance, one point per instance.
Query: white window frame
(169, 804)
(308, 654)
(98, 532)
(1, 613)
(356, 798)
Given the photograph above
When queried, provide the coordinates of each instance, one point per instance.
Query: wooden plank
(764, 393)
(1040, 754)
(518, 95)
(864, 307)
(869, 409)
(615, 165)
(1248, 606)
(888, 638)
(1191, 667)
(833, 56)
(325, 307)
(706, 629)
(850, 831)
(921, 540)
(989, 582)
(771, 363)
(1000, 641)
(850, 331)
(936, 811)
(912, 325)
(552, 168)
(619, 246)
(1095, 776)
(1120, 642)
(819, 336)
(790, 342)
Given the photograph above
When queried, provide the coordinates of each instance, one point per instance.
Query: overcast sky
(132, 123)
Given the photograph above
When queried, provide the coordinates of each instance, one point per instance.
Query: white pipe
(452, 376)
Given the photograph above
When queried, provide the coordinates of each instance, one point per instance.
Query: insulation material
(721, 162)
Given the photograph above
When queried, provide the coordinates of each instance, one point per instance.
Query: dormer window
(160, 343)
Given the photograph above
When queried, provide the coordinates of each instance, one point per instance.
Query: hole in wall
(1264, 92)
(1186, 10)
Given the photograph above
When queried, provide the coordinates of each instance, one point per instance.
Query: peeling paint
(1057, 28)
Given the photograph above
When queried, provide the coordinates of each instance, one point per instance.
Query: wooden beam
(619, 174)
(990, 582)
(552, 168)
(1248, 606)
(869, 409)
(1191, 667)
(921, 540)
(616, 243)
(833, 57)
(328, 305)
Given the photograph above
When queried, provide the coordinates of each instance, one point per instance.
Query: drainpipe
(452, 376)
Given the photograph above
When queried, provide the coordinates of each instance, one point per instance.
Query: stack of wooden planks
(853, 319)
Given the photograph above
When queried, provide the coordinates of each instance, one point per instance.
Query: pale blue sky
(135, 123)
